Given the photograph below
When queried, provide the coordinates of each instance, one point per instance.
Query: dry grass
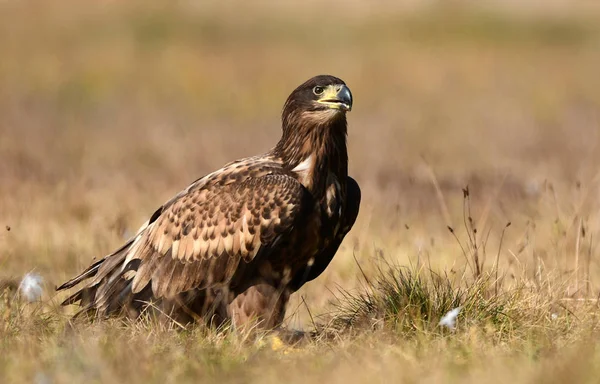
(108, 109)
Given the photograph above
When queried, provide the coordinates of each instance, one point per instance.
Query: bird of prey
(235, 244)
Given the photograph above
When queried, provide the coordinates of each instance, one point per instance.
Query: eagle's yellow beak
(336, 97)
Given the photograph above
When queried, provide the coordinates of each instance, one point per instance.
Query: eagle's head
(320, 100)
(314, 130)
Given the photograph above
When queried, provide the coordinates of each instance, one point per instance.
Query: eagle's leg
(262, 304)
(198, 305)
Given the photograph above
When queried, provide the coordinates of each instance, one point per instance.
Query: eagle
(235, 244)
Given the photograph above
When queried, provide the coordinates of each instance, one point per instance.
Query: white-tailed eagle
(236, 243)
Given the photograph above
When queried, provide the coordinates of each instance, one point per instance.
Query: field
(475, 137)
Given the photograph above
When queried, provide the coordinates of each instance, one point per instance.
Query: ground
(465, 120)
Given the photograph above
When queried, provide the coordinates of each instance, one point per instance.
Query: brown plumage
(236, 243)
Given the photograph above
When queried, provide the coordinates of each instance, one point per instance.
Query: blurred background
(109, 108)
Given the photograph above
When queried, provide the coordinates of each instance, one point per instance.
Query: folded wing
(199, 238)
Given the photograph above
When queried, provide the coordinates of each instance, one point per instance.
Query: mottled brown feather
(233, 222)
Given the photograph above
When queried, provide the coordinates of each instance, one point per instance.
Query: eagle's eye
(318, 90)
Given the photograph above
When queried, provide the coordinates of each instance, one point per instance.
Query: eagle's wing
(198, 239)
(322, 260)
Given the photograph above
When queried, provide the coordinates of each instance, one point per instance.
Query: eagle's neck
(315, 150)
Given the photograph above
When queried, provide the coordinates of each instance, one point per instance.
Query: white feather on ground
(31, 287)
(449, 319)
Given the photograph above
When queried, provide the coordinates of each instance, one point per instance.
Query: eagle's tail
(107, 290)
(90, 272)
